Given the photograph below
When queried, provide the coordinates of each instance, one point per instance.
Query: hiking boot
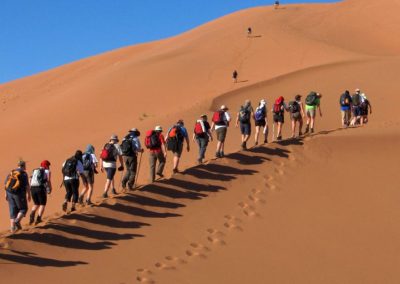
(160, 175)
(13, 229)
(279, 138)
(64, 206)
(80, 200)
(307, 129)
(312, 130)
(88, 202)
(221, 154)
(18, 225)
(38, 220)
(175, 171)
(217, 155)
(256, 144)
(265, 141)
(73, 209)
(113, 191)
(199, 161)
(300, 133)
(243, 146)
(105, 195)
(31, 218)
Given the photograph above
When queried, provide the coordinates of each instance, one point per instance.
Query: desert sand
(323, 209)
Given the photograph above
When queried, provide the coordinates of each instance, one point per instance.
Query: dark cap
(297, 97)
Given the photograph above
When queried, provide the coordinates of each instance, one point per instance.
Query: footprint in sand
(279, 171)
(272, 187)
(215, 232)
(176, 259)
(111, 201)
(191, 253)
(143, 276)
(143, 279)
(4, 244)
(256, 191)
(292, 158)
(232, 218)
(245, 205)
(216, 241)
(164, 266)
(199, 246)
(268, 178)
(279, 164)
(256, 199)
(232, 226)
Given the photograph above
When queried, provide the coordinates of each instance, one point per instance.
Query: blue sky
(37, 35)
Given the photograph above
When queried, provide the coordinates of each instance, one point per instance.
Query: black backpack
(69, 168)
(294, 107)
(311, 99)
(127, 147)
(244, 115)
(345, 99)
(87, 162)
(356, 99)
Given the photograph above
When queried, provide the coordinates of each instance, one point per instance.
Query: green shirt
(314, 107)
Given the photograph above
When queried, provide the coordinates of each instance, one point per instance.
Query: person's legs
(132, 170)
(279, 131)
(152, 164)
(68, 195)
(127, 174)
(293, 127)
(161, 163)
(308, 114)
(13, 211)
(300, 126)
(257, 135)
(75, 193)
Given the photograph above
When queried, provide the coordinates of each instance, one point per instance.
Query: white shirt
(228, 119)
(113, 164)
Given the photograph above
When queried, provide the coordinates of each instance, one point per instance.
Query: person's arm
(237, 120)
(49, 184)
(187, 140)
(121, 162)
(212, 126)
(101, 165)
(302, 110)
(370, 107)
(28, 189)
(163, 147)
(320, 110)
(194, 137)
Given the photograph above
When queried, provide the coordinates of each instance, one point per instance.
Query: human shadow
(241, 81)
(224, 169)
(244, 159)
(32, 259)
(291, 141)
(147, 201)
(137, 211)
(254, 36)
(106, 221)
(156, 188)
(61, 241)
(283, 153)
(202, 173)
(193, 186)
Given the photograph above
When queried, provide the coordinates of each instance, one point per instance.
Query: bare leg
(256, 135)
(41, 210)
(90, 192)
(293, 128)
(107, 186)
(176, 162)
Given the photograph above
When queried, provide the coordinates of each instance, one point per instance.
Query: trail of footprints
(215, 237)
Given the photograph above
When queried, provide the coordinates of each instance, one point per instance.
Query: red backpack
(198, 128)
(152, 140)
(278, 105)
(219, 117)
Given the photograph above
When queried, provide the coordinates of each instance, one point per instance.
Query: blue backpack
(260, 114)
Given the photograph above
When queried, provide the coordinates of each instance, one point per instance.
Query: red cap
(45, 164)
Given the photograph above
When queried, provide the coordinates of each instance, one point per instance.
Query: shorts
(178, 150)
(356, 110)
(296, 116)
(39, 195)
(110, 173)
(279, 118)
(311, 112)
(245, 128)
(260, 123)
(88, 177)
(221, 133)
(17, 204)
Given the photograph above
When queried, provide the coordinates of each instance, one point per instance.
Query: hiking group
(126, 157)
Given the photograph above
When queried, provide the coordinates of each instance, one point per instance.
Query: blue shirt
(184, 131)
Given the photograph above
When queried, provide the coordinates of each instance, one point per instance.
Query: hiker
(365, 106)
(155, 142)
(90, 164)
(244, 116)
(202, 135)
(72, 170)
(249, 32)
(17, 194)
(108, 162)
(176, 136)
(276, 4)
(260, 118)
(234, 76)
(130, 148)
(356, 108)
(345, 108)
(279, 116)
(220, 123)
(296, 114)
(40, 187)
(313, 102)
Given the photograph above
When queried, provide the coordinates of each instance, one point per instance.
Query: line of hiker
(125, 157)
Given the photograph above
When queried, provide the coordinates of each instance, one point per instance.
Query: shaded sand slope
(281, 213)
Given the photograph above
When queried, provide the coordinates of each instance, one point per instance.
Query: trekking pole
(138, 168)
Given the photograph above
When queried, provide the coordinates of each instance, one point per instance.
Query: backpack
(219, 117)
(176, 133)
(13, 181)
(39, 177)
(87, 162)
(69, 168)
(294, 107)
(278, 105)
(364, 105)
(344, 100)
(244, 115)
(259, 114)
(127, 147)
(108, 153)
(198, 128)
(356, 99)
(311, 99)
(152, 140)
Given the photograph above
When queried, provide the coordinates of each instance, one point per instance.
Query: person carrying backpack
(278, 111)
(90, 163)
(155, 142)
(72, 170)
(313, 102)
(296, 114)
(108, 162)
(130, 147)
(356, 108)
(40, 187)
(176, 136)
(260, 120)
(202, 135)
(246, 112)
(365, 106)
(235, 76)
(220, 123)
(249, 31)
(17, 194)
(345, 108)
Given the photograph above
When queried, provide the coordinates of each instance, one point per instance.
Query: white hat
(158, 128)
(224, 107)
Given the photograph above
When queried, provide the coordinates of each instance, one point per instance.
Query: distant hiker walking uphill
(260, 118)
(176, 136)
(72, 170)
(296, 115)
(249, 31)
(202, 135)
(313, 102)
(90, 163)
(130, 147)
(108, 161)
(235, 76)
(40, 187)
(278, 111)
(220, 122)
(365, 106)
(17, 194)
(243, 117)
(356, 108)
(345, 108)
(276, 4)
(155, 142)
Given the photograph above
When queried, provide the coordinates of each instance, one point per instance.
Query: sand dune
(278, 213)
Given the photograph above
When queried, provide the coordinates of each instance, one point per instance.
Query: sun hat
(158, 128)
(358, 90)
(203, 115)
(224, 107)
(114, 138)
